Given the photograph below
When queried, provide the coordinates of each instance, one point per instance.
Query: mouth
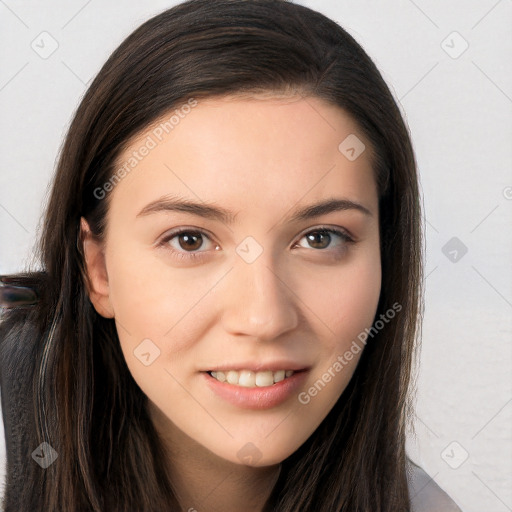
(252, 379)
(255, 389)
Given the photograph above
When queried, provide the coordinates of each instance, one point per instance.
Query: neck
(203, 481)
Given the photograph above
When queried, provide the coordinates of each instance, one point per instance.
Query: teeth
(280, 375)
(250, 379)
(232, 377)
(264, 379)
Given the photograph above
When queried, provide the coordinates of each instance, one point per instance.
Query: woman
(230, 284)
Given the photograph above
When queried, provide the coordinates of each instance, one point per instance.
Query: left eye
(322, 236)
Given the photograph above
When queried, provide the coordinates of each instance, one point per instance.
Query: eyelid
(344, 233)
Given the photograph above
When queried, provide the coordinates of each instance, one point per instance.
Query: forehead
(261, 153)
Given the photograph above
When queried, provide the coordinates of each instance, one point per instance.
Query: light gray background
(458, 108)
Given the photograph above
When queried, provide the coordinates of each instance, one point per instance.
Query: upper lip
(273, 366)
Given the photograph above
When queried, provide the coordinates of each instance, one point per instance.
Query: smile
(262, 389)
(250, 379)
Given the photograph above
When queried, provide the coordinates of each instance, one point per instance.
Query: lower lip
(257, 397)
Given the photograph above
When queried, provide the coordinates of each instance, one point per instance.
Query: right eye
(180, 241)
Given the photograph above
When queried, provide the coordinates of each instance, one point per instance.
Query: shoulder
(19, 352)
(426, 495)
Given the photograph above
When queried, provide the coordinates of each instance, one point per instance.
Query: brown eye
(186, 244)
(319, 239)
(189, 240)
(322, 238)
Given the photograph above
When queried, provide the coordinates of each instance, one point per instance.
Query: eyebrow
(214, 212)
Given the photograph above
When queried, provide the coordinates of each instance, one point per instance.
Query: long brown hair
(86, 405)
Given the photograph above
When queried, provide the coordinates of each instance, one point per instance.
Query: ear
(97, 277)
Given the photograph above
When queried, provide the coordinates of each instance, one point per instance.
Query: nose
(258, 302)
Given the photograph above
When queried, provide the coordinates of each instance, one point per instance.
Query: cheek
(148, 299)
(344, 299)
(160, 311)
(346, 304)
(157, 316)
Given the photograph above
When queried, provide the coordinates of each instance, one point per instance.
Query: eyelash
(198, 255)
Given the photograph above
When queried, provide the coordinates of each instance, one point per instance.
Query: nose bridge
(258, 302)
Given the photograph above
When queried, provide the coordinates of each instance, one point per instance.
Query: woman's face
(256, 285)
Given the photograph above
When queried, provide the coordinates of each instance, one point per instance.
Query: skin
(262, 157)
